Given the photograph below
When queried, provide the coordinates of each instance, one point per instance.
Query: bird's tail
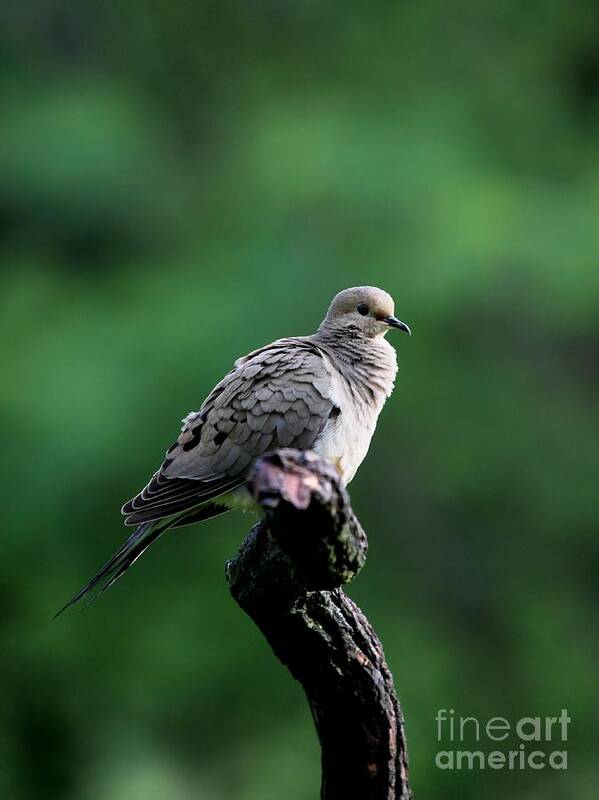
(125, 556)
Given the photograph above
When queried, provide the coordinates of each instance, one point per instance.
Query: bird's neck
(368, 364)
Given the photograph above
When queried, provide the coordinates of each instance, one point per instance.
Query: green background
(183, 182)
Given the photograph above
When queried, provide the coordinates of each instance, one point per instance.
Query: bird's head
(362, 310)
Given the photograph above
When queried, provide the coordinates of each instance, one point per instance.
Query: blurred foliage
(181, 183)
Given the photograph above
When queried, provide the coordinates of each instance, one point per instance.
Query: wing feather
(278, 396)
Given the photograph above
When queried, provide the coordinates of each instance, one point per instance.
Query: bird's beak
(393, 322)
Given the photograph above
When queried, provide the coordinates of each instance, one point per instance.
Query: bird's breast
(344, 443)
(346, 437)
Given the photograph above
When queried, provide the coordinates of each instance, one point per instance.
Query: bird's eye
(363, 309)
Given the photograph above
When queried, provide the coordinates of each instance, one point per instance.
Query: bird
(322, 392)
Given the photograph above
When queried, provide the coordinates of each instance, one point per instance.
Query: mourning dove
(322, 392)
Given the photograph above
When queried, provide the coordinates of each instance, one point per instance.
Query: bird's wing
(278, 396)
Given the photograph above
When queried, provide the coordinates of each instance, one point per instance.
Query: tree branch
(286, 576)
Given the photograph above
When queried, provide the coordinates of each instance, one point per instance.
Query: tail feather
(120, 562)
(208, 511)
(138, 543)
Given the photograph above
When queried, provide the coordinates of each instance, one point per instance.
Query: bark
(287, 577)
